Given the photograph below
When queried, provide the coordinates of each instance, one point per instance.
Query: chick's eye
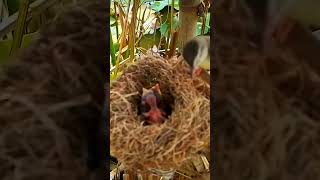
(145, 107)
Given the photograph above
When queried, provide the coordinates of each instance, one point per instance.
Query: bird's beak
(201, 73)
(157, 88)
(197, 72)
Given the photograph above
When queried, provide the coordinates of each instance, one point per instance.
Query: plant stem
(113, 56)
(20, 26)
(116, 17)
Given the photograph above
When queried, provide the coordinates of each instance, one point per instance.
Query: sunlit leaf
(159, 5)
(112, 51)
(207, 26)
(116, 46)
(112, 20)
(153, 16)
(164, 28)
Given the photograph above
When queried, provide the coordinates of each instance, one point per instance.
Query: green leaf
(175, 22)
(20, 26)
(29, 38)
(13, 6)
(113, 76)
(159, 5)
(114, 32)
(198, 29)
(145, 1)
(208, 20)
(199, 25)
(148, 40)
(116, 47)
(112, 20)
(112, 52)
(5, 45)
(164, 29)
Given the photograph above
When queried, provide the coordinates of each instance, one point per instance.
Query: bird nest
(51, 98)
(183, 135)
(267, 111)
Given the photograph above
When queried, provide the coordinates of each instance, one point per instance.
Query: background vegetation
(140, 25)
(17, 30)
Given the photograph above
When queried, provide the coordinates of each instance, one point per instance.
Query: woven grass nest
(51, 99)
(267, 111)
(169, 145)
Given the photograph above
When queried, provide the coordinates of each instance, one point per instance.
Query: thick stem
(188, 20)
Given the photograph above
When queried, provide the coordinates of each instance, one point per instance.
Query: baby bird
(150, 102)
(196, 54)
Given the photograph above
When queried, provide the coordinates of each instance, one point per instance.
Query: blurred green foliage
(154, 27)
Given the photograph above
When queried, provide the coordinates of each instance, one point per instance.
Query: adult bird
(289, 24)
(196, 54)
(283, 16)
